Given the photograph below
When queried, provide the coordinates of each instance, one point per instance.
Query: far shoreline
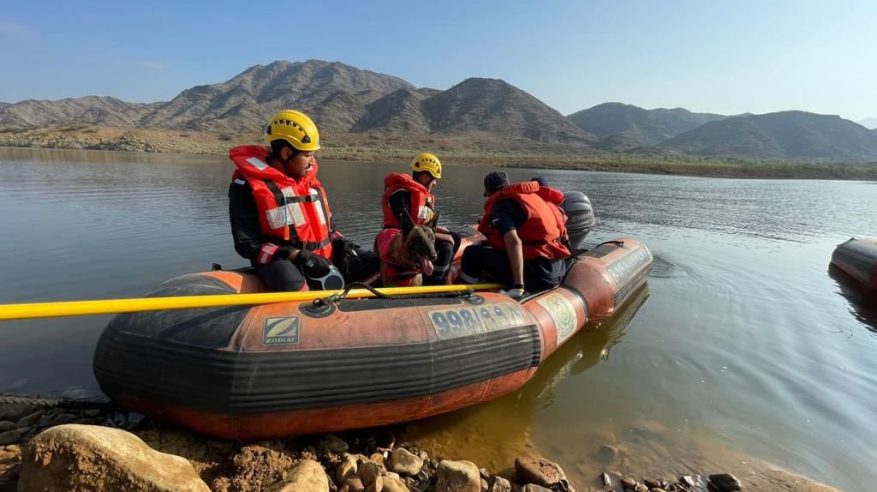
(453, 151)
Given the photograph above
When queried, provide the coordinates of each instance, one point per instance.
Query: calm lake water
(743, 348)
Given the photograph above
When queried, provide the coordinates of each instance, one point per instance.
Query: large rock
(405, 462)
(540, 471)
(85, 457)
(354, 484)
(532, 487)
(393, 484)
(369, 472)
(347, 468)
(725, 482)
(9, 453)
(376, 486)
(500, 484)
(457, 476)
(607, 453)
(306, 476)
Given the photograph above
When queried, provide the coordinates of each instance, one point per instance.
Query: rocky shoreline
(99, 447)
(459, 150)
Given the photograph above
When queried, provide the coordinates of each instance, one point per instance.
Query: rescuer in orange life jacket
(412, 196)
(525, 221)
(280, 217)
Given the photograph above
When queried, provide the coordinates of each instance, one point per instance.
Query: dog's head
(418, 244)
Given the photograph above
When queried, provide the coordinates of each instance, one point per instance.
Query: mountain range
(795, 134)
(637, 126)
(490, 113)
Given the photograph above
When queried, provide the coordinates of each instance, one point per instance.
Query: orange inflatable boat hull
(295, 368)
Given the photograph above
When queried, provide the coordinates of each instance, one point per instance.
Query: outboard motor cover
(580, 218)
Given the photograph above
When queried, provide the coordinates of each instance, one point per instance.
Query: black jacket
(244, 217)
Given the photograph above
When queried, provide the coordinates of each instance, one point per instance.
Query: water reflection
(494, 433)
(863, 303)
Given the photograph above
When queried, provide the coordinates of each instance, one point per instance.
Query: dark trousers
(444, 251)
(281, 276)
(284, 276)
(482, 261)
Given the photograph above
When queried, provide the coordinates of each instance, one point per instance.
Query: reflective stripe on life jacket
(292, 212)
(422, 206)
(542, 232)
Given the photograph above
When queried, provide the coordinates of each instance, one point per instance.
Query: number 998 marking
(453, 323)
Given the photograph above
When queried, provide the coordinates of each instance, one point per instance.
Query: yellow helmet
(294, 127)
(429, 163)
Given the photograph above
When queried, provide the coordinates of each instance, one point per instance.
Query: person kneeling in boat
(280, 218)
(410, 197)
(525, 221)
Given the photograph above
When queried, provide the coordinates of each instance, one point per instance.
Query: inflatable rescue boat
(858, 259)
(276, 370)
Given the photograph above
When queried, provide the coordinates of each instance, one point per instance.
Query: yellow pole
(133, 305)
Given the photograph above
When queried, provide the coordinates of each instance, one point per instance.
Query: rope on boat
(43, 402)
(616, 242)
(325, 301)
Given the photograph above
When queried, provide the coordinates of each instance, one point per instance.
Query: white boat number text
(460, 322)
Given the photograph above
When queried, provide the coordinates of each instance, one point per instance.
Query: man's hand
(313, 266)
(515, 252)
(444, 237)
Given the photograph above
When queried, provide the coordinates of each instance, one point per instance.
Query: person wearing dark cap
(539, 179)
(524, 221)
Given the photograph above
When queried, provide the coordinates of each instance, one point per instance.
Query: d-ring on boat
(291, 368)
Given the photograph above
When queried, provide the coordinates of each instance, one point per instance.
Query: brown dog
(407, 254)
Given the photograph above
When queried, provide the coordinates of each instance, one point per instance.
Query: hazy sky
(713, 56)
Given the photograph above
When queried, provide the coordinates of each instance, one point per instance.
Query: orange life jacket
(291, 211)
(543, 231)
(422, 206)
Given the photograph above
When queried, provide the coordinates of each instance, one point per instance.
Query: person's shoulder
(395, 179)
(239, 188)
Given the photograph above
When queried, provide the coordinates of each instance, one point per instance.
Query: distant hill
(243, 102)
(99, 110)
(784, 135)
(633, 126)
(492, 105)
(619, 143)
(334, 93)
(475, 106)
(870, 123)
(401, 110)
